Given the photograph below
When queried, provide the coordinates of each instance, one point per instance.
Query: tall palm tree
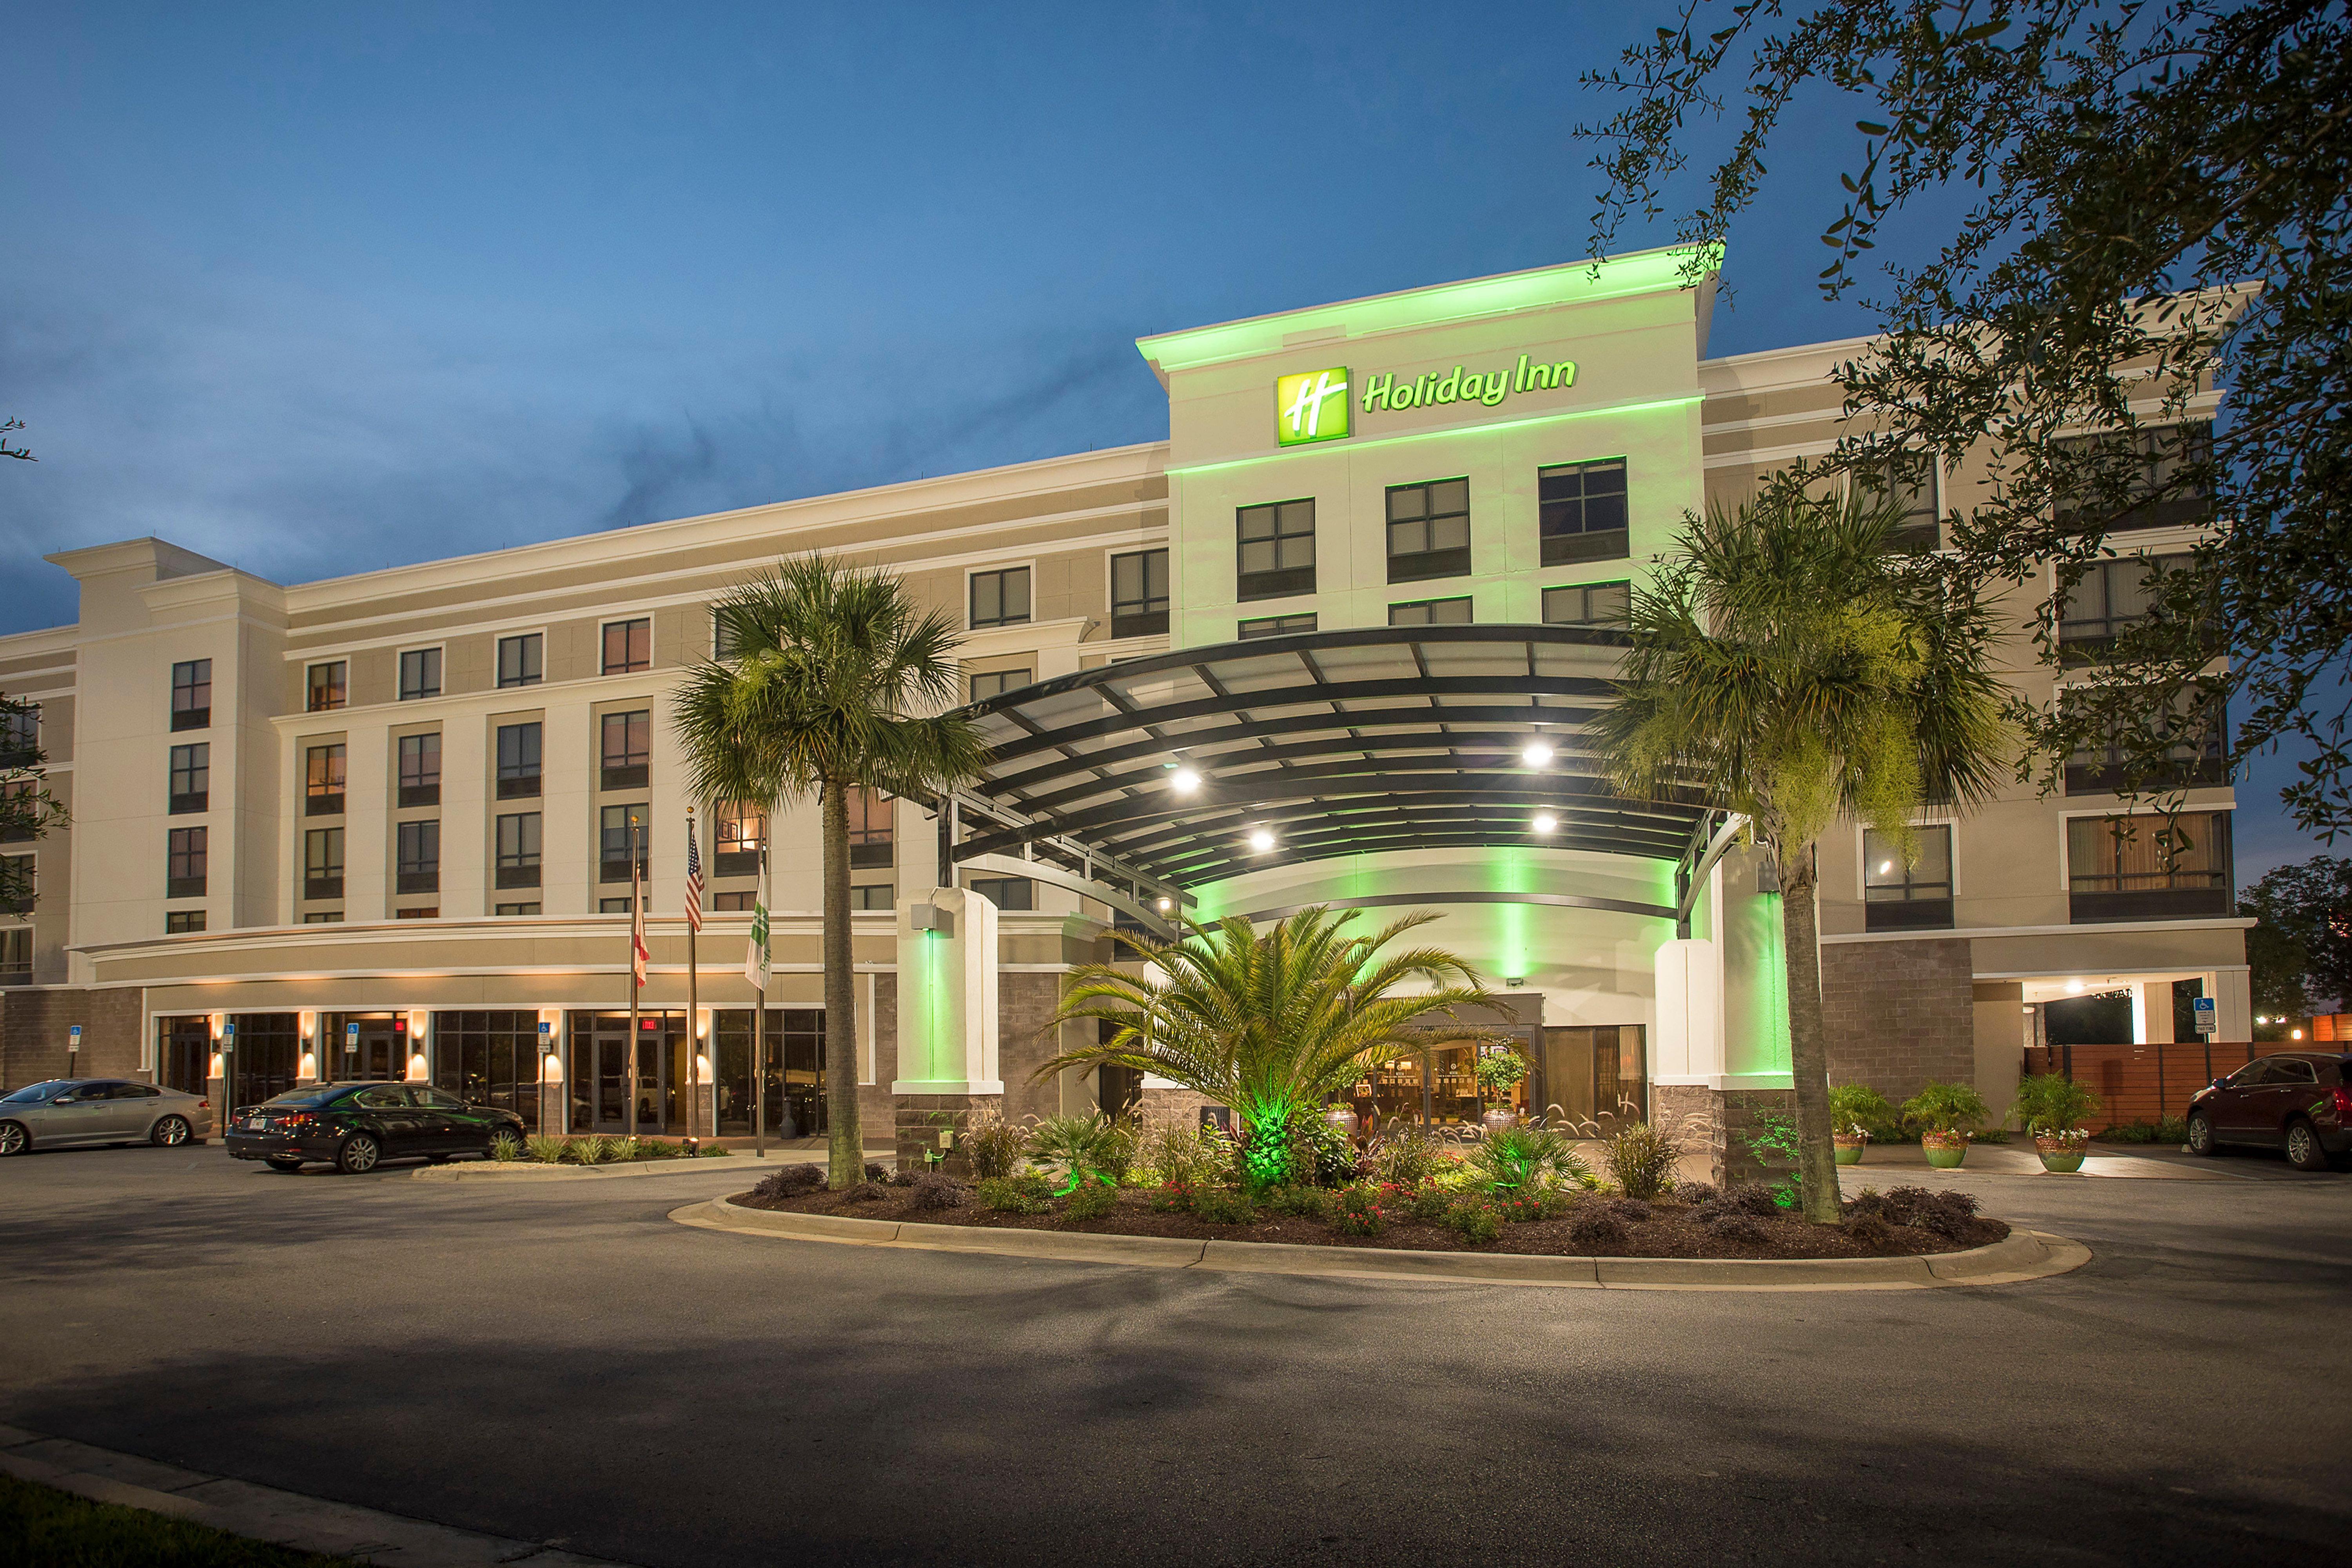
(1786, 667)
(1269, 1023)
(835, 681)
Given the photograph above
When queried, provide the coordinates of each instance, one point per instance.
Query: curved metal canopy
(1333, 742)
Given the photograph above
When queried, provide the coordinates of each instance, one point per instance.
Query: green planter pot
(1849, 1150)
(1944, 1156)
(2060, 1159)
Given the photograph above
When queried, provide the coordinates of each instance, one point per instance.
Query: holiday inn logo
(1311, 406)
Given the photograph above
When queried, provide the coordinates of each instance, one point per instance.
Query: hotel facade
(1335, 639)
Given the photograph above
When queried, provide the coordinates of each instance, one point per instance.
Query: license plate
(255, 1124)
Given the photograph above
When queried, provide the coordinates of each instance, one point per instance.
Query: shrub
(1306, 1203)
(1872, 1231)
(623, 1148)
(1510, 1158)
(875, 1172)
(1694, 1193)
(1520, 1207)
(1594, 1226)
(505, 1147)
(1641, 1159)
(546, 1150)
(1028, 1193)
(1856, 1108)
(865, 1193)
(1223, 1206)
(1083, 1148)
(1091, 1200)
(1474, 1221)
(1429, 1206)
(1632, 1210)
(655, 1149)
(2050, 1103)
(589, 1150)
(1171, 1199)
(933, 1191)
(993, 1144)
(1735, 1225)
(1357, 1211)
(1188, 1156)
(1754, 1198)
(1946, 1107)
(1406, 1158)
(1320, 1152)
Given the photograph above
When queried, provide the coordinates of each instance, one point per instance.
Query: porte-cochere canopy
(1184, 768)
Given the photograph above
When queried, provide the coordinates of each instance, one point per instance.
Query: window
(322, 863)
(2112, 597)
(1899, 897)
(517, 909)
(323, 918)
(1429, 531)
(2197, 759)
(1275, 626)
(1000, 598)
(872, 816)
(996, 683)
(1582, 511)
(16, 878)
(741, 834)
(621, 906)
(518, 850)
(1139, 594)
(191, 694)
(418, 913)
(1431, 613)
(420, 674)
(192, 773)
(628, 647)
(184, 867)
(2135, 479)
(518, 760)
(722, 637)
(420, 770)
(327, 688)
(1912, 482)
(20, 736)
(873, 895)
(1588, 604)
(523, 660)
(419, 857)
(1278, 549)
(737, 902)
(15, 955)
(2148, 867)
(178, 922)
(22, 813)
(322, 788)
(627, 749)
(1006, 892)
(618, 826)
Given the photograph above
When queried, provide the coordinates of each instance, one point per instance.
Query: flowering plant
(1359, 1211)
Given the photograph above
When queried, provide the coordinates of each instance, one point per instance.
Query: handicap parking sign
(2207, 1023)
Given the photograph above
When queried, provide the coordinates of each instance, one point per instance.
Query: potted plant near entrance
(2053, 1107)
(1498, 1074)
(1855, 1110)
(1946, 1115)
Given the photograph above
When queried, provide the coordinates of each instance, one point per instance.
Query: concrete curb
(532, 1171)
(264, 1513)
(2023, 1256)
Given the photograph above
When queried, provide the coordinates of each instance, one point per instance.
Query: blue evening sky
(316, 288)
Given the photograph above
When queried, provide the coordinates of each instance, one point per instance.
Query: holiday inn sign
(1312, 405)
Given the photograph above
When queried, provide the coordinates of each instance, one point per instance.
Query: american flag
(693, 878)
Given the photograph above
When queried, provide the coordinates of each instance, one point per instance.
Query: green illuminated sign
(1311, 406)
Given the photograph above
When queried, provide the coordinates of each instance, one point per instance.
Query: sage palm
(1271, 1022)
(836, 680)
(1785, 666)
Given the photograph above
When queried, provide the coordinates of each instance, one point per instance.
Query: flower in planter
(2052, 1105)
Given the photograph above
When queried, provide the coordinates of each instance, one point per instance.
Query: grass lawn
(42, 1525)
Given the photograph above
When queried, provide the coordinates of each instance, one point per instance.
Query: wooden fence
(2143, 1083)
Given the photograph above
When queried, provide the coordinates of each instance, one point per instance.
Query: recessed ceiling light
(1544, 822)
(1537, 755)
(1184, 781)
(1261, 840)
(2074, 987)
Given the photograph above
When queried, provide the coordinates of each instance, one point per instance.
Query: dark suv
(357, 1126)
(2297, 1100)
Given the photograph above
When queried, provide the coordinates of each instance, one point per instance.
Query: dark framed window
(620, 906)
(2153, 478)
(191, 694)
(874, 896)
(627, 748)
(519, 761)
(997, 682)
(418, 857)
(1274, 626)
(322, 863)
(2112, 597)
(2199, 759)
(1582, 514)
(523, 660)
(323, 918)
(1588, 604)
(518, 850)
(516, 909)
(183, 863)
(418, 913)
(722, 637)
(420, 770)
(20, 736)
(616, 825)
(1276, 550)
(1912, 482)
(323, 782)
(1000, 598)
(1429, 531)
(1897, 895)
(325, 687)
(1431, 613)
(872, 818)
(2151, 867)
(17, 955)
(178, 922)
(16, 874)
(1006, 892)
(191, 777)
(19, 828)
(740, 833)
(628, 647)
(738, 902)
(1139, 594)
(420, 674)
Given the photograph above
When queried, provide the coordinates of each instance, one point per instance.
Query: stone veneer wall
(33, 1025)
(875, 1111)
(1024, 1000)
(1718, 1123)
(1899, 1013)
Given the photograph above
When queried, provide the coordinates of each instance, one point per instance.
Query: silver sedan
(65, 1112)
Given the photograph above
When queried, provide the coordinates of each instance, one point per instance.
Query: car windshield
(304, 1097)
(37, 1092)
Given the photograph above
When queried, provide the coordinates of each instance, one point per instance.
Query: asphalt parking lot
(561, 1362)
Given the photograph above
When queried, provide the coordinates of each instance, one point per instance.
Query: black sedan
(2300, 1101)
(358, 1126)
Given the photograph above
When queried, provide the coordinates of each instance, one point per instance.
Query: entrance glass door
(794, 1082)
(381, 1051)
(602, 1089)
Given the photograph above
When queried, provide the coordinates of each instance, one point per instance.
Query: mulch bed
(1673, 1230)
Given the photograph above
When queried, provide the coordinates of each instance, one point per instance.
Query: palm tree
(1786, 667)
(1269, 1024)
(833, 681)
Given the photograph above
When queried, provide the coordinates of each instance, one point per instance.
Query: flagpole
(693, 1013)
(636, 909)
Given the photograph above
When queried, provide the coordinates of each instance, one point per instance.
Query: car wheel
(289, 1166)
(14, 1140)
(169, 1133)
(2303, 1150)
(2201, 1134)
(358, 1154)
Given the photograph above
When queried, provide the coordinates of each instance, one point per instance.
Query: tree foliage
(27, 809)
(2154, 217)
(2300, 948)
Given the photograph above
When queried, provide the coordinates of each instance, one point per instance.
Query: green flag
(755, 958)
